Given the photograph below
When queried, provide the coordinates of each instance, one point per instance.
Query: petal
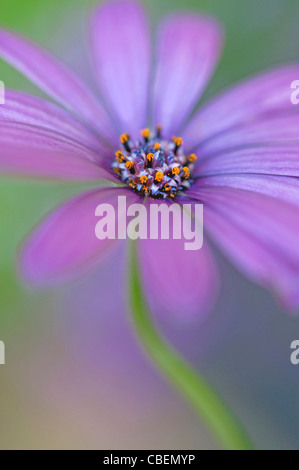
(271, 130)
(178, 282)
(188, 51)
(271, 169)
(279, 159)
(121, 51)
(283, 187)
(65, 243)
(259, 234)
(27, 109)
(267, 95)
(29, 150)
(55, 78)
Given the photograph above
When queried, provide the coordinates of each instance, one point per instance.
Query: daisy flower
(238, 155)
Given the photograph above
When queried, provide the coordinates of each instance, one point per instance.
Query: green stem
(194, 388)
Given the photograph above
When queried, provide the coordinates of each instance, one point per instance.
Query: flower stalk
(189, 382)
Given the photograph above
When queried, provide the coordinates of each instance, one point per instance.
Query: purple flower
(240, 155)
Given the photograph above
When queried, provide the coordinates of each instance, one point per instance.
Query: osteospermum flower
(238, 155)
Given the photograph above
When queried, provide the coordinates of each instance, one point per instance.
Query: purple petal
(65, 243)
(188, 51)
(280, 159)
(120, 40)
(178, 282)
(271, 130)
(55, 78)
(283, 187)
(27, 109)
(259, 234)
(29, 150)
(263, 97)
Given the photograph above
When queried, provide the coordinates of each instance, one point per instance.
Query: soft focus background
(75, 377)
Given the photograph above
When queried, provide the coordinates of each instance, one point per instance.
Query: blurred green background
(36, 410)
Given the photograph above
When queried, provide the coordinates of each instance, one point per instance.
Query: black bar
(104, 458)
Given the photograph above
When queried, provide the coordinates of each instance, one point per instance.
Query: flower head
(238, 155)
(155, 167)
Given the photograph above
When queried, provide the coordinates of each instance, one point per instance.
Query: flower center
(154, 166)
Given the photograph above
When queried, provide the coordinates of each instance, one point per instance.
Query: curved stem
(194, 388)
